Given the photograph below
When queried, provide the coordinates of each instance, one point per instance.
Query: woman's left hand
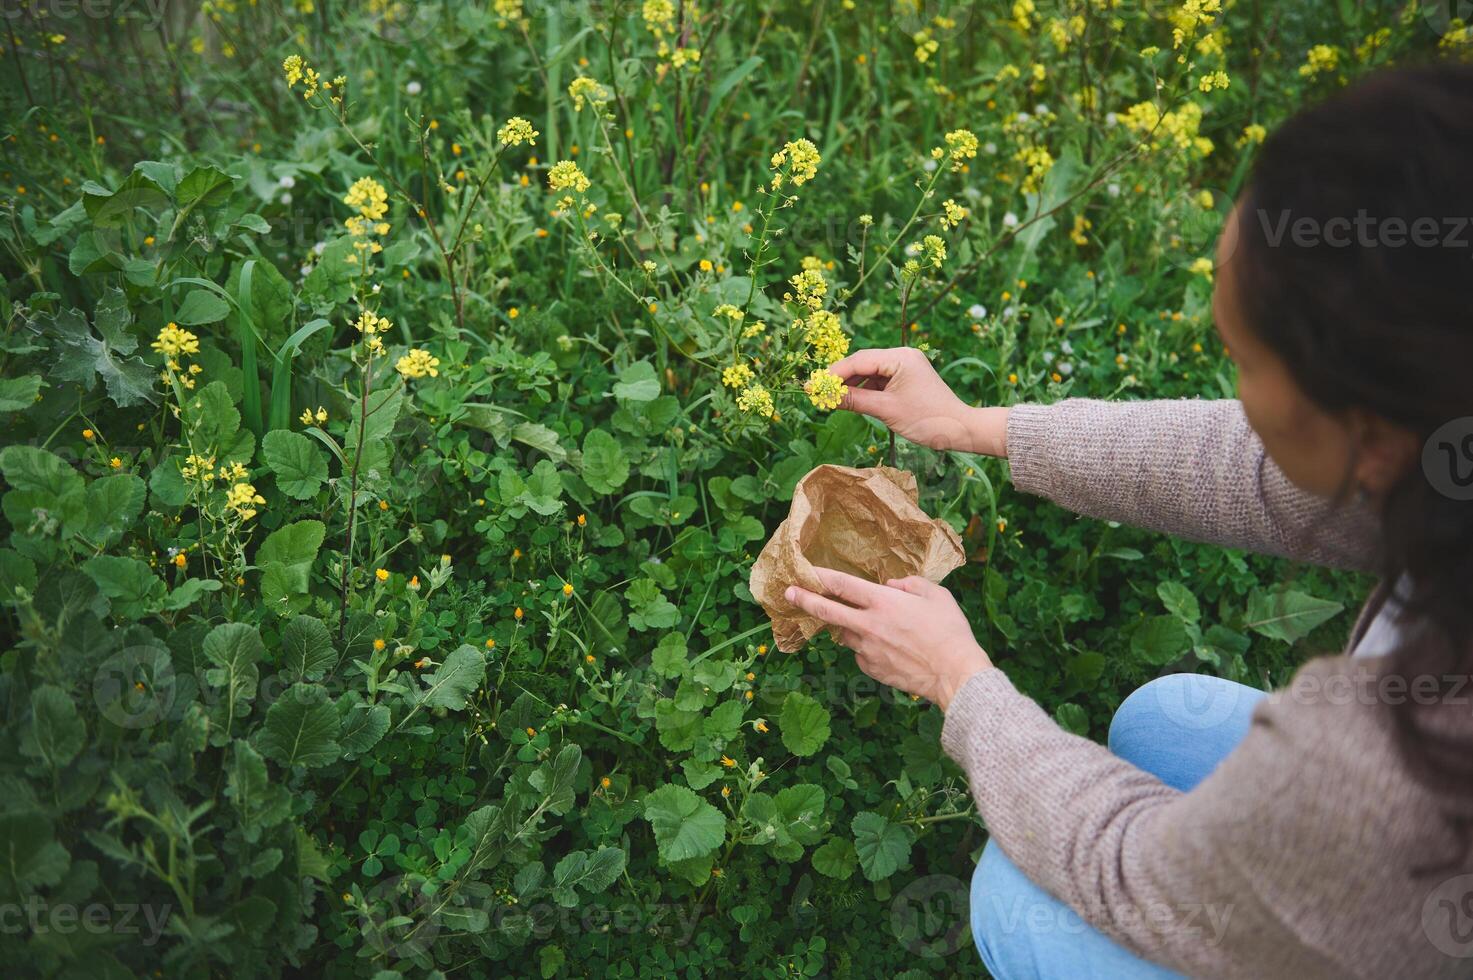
(908, 633)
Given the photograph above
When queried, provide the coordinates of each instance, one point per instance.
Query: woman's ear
(1384, 451)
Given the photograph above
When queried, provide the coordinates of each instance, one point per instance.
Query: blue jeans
(1177, 727)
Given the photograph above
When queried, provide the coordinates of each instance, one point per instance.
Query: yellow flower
(962, 145)
(825, 390)
(417, 364)
(88, 434)
(379, 644)
(1081, 225)
(382, 574)
(518, 614)
(567, 588)
(115, 463)
(531, 732)
(728, 761)
(802, 159)
(761, 649)
(1203, 268)
(756, 399)
(736, 376)
(414, 583)
(243, 499)
(516, 132)
(586, 90)
(725, 791)
(934, 250)
(368, 197)
(809, 289)
(761, 726)
(383, 505)
(954, 215)
(605, 782)
(513, 313)
(180, 560)
(582, 520)
(565, 175)
(1320, 58)
(174, 341)
(1252, 133)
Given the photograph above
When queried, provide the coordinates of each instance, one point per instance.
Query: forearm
(986, 431)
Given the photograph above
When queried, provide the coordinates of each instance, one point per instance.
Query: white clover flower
(1111, 119)
(1024, 117)
(1041, 109)
(287, 181)
(1010, 311)
(977, 311)
(1066, 347)
(929, 165)
(319, 248)
(1113, 190)
(1048, 355)
(414, 88)
(989, 148)
(286, 198)
(305, 270)
(1065, 368)
(1010, 220)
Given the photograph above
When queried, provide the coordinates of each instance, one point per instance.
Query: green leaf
(685, 825)
(33, 858)
(285, 559)
(235, 650)
(188, 592)
(307, 651)
(539, 437)
(668, 659)
(804, 724)
(201, 306)
(113, 504)
(1179, 601)
(18, 394)
(56, 732)
(544, 489)
(637, 383)
(1072, 718)
(130, 583)
(29, 468)
(835, 858)
(203, 187)
(301, 729)
(592, 872)
(299, 465)
(724, 721)
(882, 847)
(649, 609)
(363, 728)
(1288, 616)
(258, 803)
(605, 467)
(453, 683)
(1160, 640)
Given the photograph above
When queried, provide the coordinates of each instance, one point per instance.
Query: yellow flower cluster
(757, 400)
(1179, 126)
(736, 376)
(516, 132)
(308, 417)
(368, 197)
(1077, 234)
(509, 12)
(371, 325)
(565, 175)
(961, 145)
(585, 90)
(297, 70)
(174, 341)
(825, 334)
(809, 289)
(659, 17)
(243, 499)
(801, 159)
(934, 250)
(418, 364)
(1321, 58)
(825, 389)
(1192, 17)
(953, 213)
(730, 312)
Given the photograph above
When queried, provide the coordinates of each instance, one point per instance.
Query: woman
(1323, 830)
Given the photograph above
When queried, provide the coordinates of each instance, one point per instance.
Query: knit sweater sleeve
(1190, 468)
(1229, 879)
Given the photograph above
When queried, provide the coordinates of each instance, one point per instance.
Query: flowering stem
(925, 195)
(353, 499)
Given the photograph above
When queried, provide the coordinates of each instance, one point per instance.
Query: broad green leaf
(669, 657)
(605, 467)
(56, 732)
(113, 504)
(33, 858)
(544, 489)
(201, 306)
(881, 846)
(835, 858)
(235, 650)
(258, 803)
(203, 187)
(29, 468)
(18, 394)
(188, 592)
(301, 729)
(592, 872)
(453, 682)
(128, 582)
(804, 724)
(1072, 718)
(307, 651)
(1160, 640)
(1179, 601)
(299, 465)
(724, 721)
(285, 559)
(363, 727)
(637, 383)
(685, 825)
(1288, 616)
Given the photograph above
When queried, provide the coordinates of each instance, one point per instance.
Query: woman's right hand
(898, 386)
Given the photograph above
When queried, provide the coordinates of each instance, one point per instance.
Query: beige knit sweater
(1294, 858)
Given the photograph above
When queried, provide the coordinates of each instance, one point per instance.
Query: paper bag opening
(867, 522)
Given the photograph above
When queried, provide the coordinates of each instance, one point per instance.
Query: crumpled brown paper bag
(867, 522)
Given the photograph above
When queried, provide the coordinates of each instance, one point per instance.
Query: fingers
(914, 584)
(863, 400)
(882, 362)
(821, 608)
(851, 588)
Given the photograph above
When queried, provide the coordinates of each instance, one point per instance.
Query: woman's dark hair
(1354, 264)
